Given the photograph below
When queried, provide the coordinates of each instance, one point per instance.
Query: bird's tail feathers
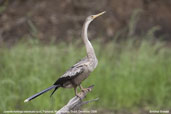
(38, 94)
(54, 91)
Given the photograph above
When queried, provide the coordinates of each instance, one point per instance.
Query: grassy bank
(130, 75)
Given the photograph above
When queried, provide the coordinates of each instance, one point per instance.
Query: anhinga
(81, 70)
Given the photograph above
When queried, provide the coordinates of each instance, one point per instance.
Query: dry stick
(76, 102)
(85, 102)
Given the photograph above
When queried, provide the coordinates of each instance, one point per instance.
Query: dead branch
(76, 102)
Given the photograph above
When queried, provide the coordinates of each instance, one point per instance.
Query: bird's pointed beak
(99, 14)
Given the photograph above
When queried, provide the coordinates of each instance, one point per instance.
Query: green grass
(130, 75)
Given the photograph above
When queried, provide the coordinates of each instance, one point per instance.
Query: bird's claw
(79, 95)
(84, 89)
(88, 89)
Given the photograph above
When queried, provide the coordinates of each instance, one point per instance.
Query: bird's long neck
(89, 48)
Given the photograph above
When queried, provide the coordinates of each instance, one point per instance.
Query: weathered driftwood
(76, 102)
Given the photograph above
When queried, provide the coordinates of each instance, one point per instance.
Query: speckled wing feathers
(74, 71)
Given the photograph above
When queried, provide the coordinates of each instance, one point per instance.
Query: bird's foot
(84, 89)
(79, 95)
(88, 89)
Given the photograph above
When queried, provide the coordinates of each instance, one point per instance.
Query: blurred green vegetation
(131, 74)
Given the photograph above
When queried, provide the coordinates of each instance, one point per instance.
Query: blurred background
(41, 39)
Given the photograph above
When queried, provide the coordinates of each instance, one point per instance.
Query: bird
(74, 76)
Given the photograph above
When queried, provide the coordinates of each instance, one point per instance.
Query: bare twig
(76, 102)
(85, 102)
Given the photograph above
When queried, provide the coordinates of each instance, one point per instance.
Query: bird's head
(92, 17)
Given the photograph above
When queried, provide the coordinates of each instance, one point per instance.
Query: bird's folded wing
(70, 74)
